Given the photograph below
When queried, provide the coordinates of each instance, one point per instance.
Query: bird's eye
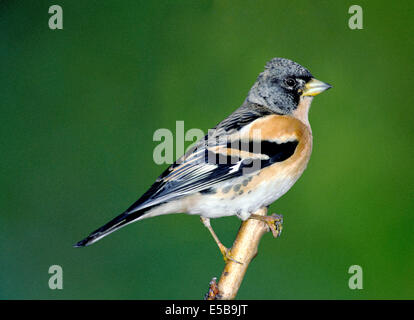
(290, 82)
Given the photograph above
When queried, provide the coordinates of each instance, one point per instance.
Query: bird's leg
(274, 222)
(224, 251)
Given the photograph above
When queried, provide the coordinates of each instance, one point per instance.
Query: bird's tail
(118, 222)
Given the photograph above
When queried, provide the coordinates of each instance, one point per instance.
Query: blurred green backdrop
(79, 107)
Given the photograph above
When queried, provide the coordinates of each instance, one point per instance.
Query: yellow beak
(314, 87)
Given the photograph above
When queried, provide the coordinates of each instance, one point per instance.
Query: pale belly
(265, 193)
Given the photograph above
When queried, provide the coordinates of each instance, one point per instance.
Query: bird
(245, 163)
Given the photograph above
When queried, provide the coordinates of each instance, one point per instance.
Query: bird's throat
(302, 111)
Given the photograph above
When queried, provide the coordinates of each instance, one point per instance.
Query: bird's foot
(227, 254)
(275, 224)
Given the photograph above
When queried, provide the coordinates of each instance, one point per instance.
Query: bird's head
(282, 86)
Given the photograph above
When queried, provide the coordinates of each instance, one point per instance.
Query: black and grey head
(282, 84)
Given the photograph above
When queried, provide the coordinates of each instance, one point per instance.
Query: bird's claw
(227, 255)
(275, 224)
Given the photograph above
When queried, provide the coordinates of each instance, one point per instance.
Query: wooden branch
(244, 250)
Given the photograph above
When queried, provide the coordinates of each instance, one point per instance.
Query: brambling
(248, 161)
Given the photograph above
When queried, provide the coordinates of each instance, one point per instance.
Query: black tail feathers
(118, 222)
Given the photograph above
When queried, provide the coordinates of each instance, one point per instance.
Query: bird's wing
(229, 151)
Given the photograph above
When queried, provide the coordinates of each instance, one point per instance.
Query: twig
(244, 250)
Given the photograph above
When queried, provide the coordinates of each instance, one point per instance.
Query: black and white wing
(219, 157)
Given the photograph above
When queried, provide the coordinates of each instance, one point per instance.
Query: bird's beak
(314, 87)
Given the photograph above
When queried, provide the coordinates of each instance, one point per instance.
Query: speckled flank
(233, 192)
(226, 189)
(246, 181)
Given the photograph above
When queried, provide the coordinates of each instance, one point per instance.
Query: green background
(79, 107)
